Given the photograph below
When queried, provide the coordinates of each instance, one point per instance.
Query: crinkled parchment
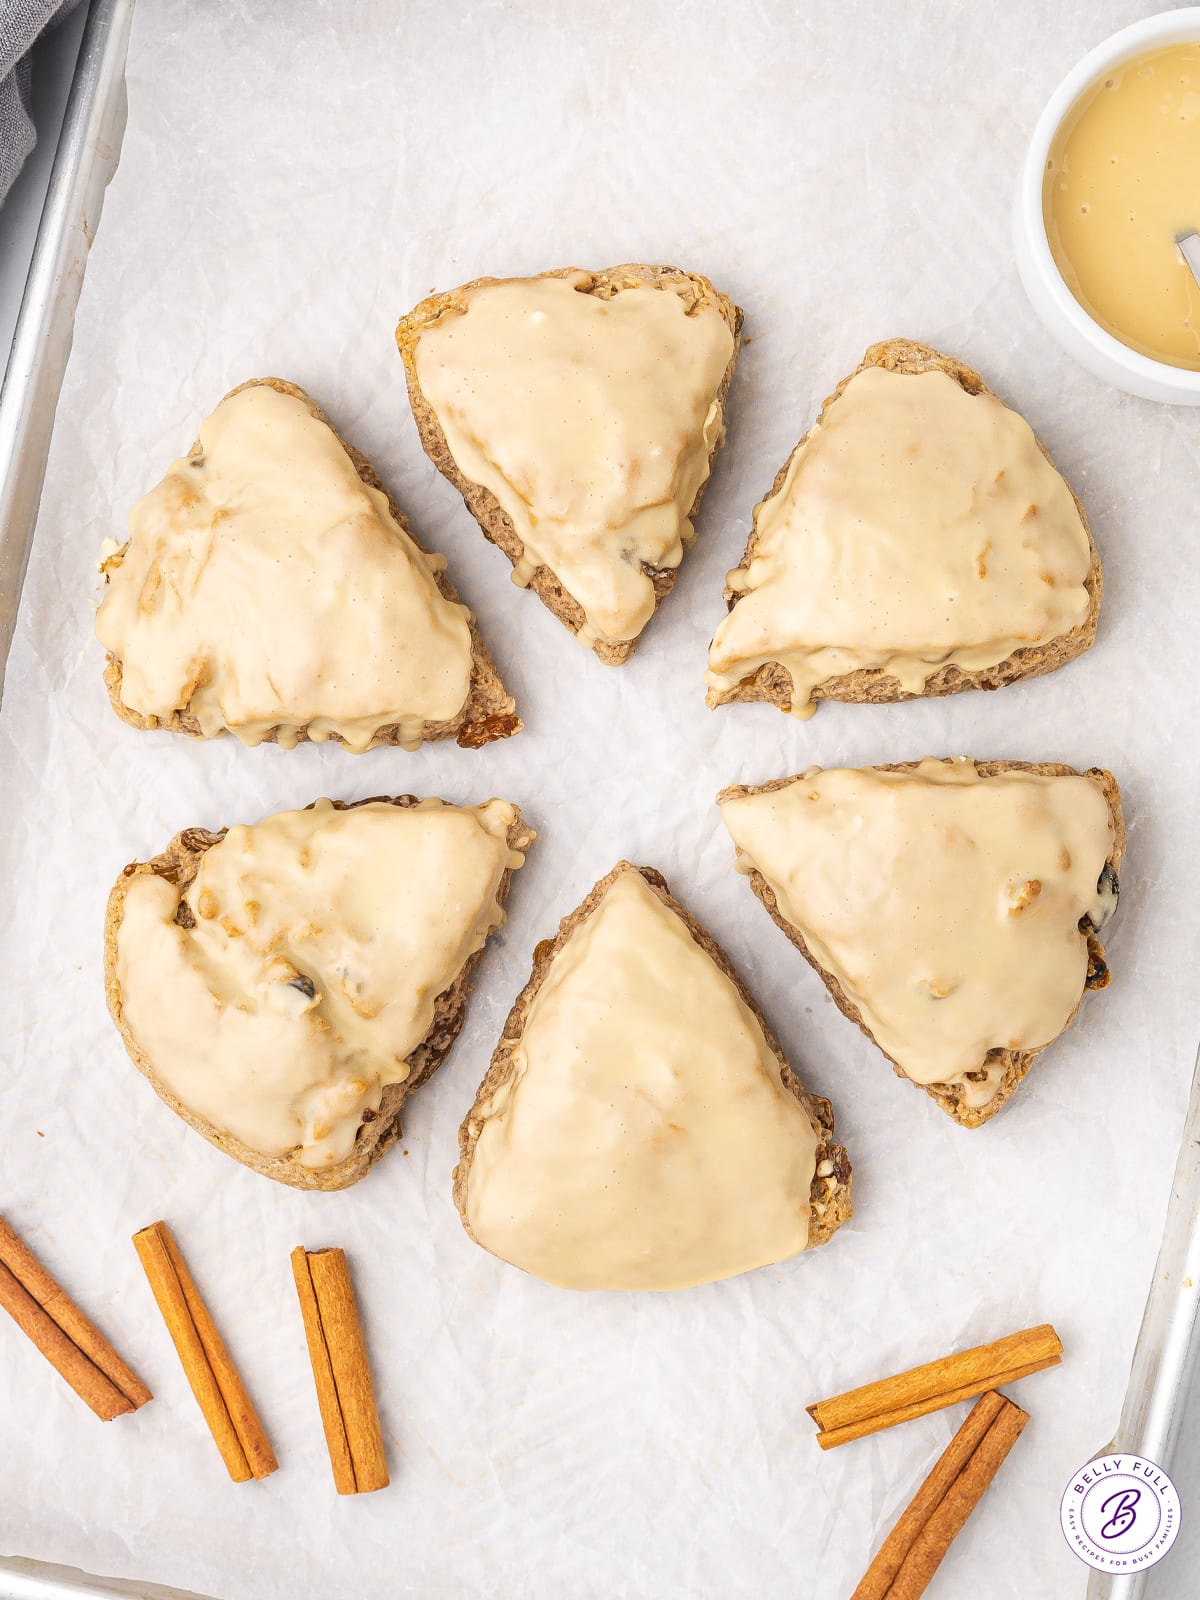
(293, 178)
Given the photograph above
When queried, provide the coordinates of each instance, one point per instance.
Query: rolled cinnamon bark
(341, 1371)
(73, 1345)
(207, 1364)
(937, 1384)
(917, 1545)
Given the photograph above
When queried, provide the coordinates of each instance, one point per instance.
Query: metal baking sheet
(1164, 1360)
(86, 159)
(43, 1580)
(83, 163)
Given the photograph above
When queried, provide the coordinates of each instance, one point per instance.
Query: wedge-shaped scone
(270, 588)
(950, 906)
(285, 986)
(639, 1127)
(578, 414)
(918, 541)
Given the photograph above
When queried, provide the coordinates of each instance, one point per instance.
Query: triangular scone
(950, 906)
(285, 986)
(918, 541)
(578, 414)
(271, 588)
(639, 1127)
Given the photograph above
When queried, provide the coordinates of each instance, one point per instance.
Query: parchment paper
(293, 178)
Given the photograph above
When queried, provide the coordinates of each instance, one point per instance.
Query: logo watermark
(1120, 1513)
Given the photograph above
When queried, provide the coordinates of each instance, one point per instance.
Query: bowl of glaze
(1063, 316)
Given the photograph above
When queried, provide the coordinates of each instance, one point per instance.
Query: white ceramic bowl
(1054, 303)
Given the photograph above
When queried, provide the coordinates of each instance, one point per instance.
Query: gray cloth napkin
(20, 23)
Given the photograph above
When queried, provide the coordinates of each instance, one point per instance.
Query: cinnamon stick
(73, 1345)
(341, 1371)
(207, 1364)
(917, 1545)
(935, 1385)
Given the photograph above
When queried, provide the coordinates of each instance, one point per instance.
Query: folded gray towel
(20, 23)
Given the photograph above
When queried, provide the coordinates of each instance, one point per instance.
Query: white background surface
(293, 178)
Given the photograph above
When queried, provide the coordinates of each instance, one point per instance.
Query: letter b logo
(1121, 1511)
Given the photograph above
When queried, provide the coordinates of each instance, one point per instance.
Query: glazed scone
(270, 588)
(951, 907)
(918, 541)
(639, 1127)
(578, 414)
(286, 985)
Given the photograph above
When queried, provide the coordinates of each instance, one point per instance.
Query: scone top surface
(290, 982)
(644, 1138)
(266, 587)
(590, 418)
(917, 524)
(953, 908)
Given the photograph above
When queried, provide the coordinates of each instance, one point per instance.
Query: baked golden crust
(950, 1096)
(179, 863)
(872, 685)
(484, 507)
(489, 711)
(830, 1195)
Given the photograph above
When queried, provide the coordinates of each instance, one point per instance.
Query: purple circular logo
(1120, 1513)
